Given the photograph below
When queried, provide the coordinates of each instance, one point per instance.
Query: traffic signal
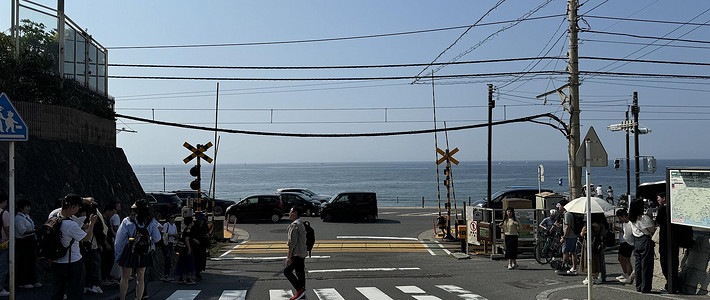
(195, 171)
(617, 163)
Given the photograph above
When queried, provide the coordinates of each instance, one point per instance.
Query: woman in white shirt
(26, 259)
(642, 227)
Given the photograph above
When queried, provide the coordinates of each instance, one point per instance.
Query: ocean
(396, 183)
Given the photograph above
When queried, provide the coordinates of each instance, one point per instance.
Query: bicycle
(549, 247)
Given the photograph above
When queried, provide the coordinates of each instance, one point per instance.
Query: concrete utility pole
(575, 173)
(635, 112)
(491, 105)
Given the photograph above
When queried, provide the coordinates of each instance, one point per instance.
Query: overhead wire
(461, 36)
(369, 36)
(489, 37)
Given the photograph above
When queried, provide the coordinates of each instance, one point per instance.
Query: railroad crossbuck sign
(197, 152)
(12, 128)
(446, 154)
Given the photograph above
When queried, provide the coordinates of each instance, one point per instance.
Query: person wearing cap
(569, 238)
(68, 270)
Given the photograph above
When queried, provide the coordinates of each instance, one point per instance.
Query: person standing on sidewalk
(643, 228)
(510, 226)
(297, 252)
(610, 195)
(626, 247)
(170, 232)
(26, 241)
(69, 270)
(663, 251)
(569, 239)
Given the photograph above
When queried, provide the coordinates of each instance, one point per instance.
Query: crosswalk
(370, 293)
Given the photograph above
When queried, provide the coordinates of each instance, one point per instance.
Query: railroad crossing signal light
(617, 163)
(195, 171)
(447, 179)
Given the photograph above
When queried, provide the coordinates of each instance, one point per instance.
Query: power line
(649, 37)
(646, 20)
(330, 67)
(350, 135)
(646, 61)
(329, 78)
(644, 44)
(461, 36)
(323, 39)
(489, 37)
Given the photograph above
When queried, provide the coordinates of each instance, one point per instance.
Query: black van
(350, 205)
(256, 207)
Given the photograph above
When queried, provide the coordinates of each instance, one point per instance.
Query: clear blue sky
(676, 110)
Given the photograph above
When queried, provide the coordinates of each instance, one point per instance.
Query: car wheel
(218, 211)
(370, 218)
(232, 219)
(309, 212)
(275, 218)
(327, 218)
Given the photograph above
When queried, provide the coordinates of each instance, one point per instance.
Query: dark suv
(350, 205)
(220, 206)
(519, 192)
(310, 207)
(164, 204)
(256, 207)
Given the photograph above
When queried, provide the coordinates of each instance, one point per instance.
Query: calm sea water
(396, 183)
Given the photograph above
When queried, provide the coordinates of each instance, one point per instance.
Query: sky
(676, 109)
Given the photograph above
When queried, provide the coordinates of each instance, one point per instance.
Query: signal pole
(575, 173)
(491, 105)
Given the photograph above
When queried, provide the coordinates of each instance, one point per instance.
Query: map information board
(690, 196)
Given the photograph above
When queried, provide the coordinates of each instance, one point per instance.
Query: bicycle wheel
(540, 255)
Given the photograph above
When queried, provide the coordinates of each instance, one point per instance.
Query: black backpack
(141, 240)
(579, 222)
(50, 239)
(310, 237)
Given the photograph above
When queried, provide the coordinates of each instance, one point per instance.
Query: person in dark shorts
(626, 247)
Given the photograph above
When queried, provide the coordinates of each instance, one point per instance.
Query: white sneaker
(96, 290)
(4, 293)
(27, 286)
(510, 267)
(37, 285)
(572, 272)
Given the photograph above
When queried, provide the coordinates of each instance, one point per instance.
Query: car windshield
(496, 194)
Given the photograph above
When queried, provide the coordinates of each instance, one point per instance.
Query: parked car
(220, 205)
(256, 207)
(164, 204)
(519, 192)
(310, 207)
(350, 205)
(318, 197)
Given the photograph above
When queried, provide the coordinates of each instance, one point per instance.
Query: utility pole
(628, 162)
(635, 112)
(491, 105)
(575, 173)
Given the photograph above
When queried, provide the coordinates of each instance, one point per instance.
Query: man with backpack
(68, 270)
(297, 252)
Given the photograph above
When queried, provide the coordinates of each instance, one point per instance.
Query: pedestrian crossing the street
(441, 292)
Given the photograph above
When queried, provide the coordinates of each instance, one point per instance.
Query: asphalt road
(396, 257)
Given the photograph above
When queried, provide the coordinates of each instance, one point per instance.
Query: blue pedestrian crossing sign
(12, 128)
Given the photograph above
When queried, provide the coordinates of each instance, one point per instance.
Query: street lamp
(628, 126)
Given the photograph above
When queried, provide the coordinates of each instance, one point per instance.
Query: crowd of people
(97, 249)
(638, 235)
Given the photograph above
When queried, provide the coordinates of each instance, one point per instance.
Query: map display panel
(690, 196)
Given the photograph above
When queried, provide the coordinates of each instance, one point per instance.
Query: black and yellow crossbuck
(197, 152)
(447, 155)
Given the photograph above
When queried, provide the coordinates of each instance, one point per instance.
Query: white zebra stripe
(233, 295)
(184, 295)
(411, 289)
(373, 293)
(465, 294)
(280, 294)
(328, 294)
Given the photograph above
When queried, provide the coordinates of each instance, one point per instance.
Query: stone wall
(694, 266)
(59, 123)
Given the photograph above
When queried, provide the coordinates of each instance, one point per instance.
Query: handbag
(656, 237)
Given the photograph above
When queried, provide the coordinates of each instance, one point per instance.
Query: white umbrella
(579, 205)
